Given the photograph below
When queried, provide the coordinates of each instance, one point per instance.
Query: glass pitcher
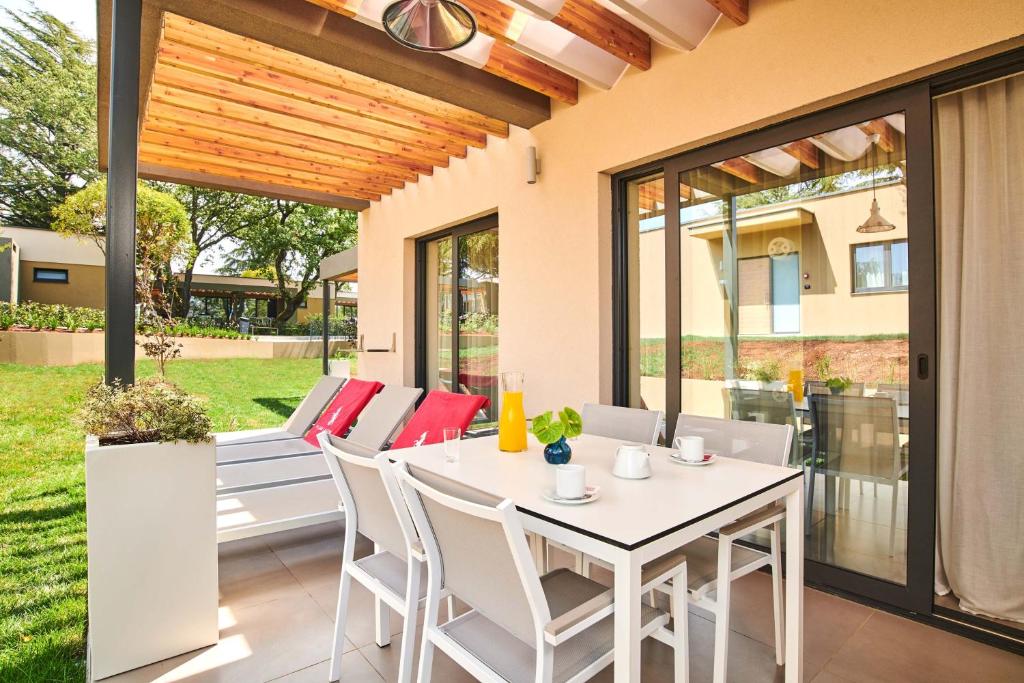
(796, 385)
(512, 420)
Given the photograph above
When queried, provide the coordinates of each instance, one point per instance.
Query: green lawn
(42, 493)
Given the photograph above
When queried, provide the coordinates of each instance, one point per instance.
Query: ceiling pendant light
(875, 222)
(429, 25)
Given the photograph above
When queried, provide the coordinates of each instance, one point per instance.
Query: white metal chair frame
(407, 604)
(714, 596)
(548, 632)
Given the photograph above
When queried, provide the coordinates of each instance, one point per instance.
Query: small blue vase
(558, 453)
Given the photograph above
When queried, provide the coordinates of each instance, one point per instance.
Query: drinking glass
(452, 441)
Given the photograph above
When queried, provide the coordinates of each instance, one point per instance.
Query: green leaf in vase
(572, 422)
(546, 429)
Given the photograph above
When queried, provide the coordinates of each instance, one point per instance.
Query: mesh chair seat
(391, 571)
(515, 661)
(702, 562)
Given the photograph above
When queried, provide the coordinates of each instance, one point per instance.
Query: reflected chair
(708, 558)
(393, 573)
(771, 407)
(521, 626)
(857, 438)
(900, 392)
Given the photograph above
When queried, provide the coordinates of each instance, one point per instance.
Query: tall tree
(215, 217)
(47, 116)
(288, 248)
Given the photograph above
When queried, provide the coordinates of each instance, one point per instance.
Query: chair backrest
(762, 442)
(856, 434)
(818, 387)
(368, 506)
(477, 545)
(382, 417)
(343, 409)
(900, 392)
(440, 410)
(625, 424)
(313, 404)
(761, 405)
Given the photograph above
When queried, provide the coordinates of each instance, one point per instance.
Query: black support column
(327, 325)
(122, 176)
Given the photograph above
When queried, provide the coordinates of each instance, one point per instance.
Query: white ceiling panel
(679, 24)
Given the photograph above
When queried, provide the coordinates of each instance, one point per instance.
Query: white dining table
(635, 521)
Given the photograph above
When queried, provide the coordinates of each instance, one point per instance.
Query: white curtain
(980, 216)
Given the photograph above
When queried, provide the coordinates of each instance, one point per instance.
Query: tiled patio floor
(277, 606)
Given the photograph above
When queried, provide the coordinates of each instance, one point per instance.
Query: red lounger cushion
(440, 410)
(344, 409)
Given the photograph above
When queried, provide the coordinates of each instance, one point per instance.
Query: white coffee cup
(691, 448)
(570, 481)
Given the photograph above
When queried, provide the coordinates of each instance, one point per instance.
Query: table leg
(795, 585)
(627, 618)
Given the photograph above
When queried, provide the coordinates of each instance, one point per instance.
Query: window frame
(35, 276)
(888, 287)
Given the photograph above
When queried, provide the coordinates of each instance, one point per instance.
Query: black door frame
(456, 233)
(915, 101)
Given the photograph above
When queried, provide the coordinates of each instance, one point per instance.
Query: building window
(880, 267)
(304, 303)
(58, 275)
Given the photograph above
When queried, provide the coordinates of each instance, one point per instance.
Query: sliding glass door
(457, 310)
(788, 277)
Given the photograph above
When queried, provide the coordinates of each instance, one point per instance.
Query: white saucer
(593, 493)
(707, 461)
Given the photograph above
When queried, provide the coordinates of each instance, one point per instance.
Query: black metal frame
(122, 176)
(915, 100)
(488, 222)
(327, 326)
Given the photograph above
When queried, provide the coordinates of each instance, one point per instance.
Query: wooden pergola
(311, 101)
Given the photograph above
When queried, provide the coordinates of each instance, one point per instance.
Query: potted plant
(837, 385)
(766, 374)
(150, 467)
(553, 432)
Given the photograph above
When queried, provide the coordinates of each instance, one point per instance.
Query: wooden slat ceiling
(225, 105)
(827, 154)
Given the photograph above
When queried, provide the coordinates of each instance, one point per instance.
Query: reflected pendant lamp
(875, 222)
(429, 25)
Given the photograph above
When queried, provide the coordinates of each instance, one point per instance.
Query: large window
(880, 266)
(458, 309)
(740, 268)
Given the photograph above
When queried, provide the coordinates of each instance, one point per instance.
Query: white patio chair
(629, 425)
(393, 573)
(522, 627)
(304, 415)
(709, 557)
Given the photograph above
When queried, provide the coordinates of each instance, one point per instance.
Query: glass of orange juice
(512, 419)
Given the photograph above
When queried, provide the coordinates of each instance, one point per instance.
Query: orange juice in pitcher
(796, 385)
(512, 419)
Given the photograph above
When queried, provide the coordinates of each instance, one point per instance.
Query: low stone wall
(67, 348)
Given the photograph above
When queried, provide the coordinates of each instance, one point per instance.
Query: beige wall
(555, 235)
(85, 287)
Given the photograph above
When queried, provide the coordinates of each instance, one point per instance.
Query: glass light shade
(875, 222)
(429, 25)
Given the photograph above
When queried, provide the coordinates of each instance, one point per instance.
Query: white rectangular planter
(152, 535)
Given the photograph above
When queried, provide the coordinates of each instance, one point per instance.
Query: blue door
(786, 294)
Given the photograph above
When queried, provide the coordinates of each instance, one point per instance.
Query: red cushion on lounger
(344, 409)
(440, 410)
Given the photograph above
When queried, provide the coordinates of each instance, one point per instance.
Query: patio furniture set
(476, 530)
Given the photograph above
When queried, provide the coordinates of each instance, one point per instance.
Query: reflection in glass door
(463, 317)
(774, 285)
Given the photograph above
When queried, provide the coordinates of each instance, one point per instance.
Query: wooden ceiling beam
(191, 118)
(214, 41)
(374, 133)
(186, 99)
(193, 161)
(742, 169)
(188, 143)
(234, 71)
(804, 152)
(607, 30)
(160, 124)
(887, 135)
(737, 10)
(524, 70)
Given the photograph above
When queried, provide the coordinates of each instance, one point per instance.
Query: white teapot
(632, 462)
